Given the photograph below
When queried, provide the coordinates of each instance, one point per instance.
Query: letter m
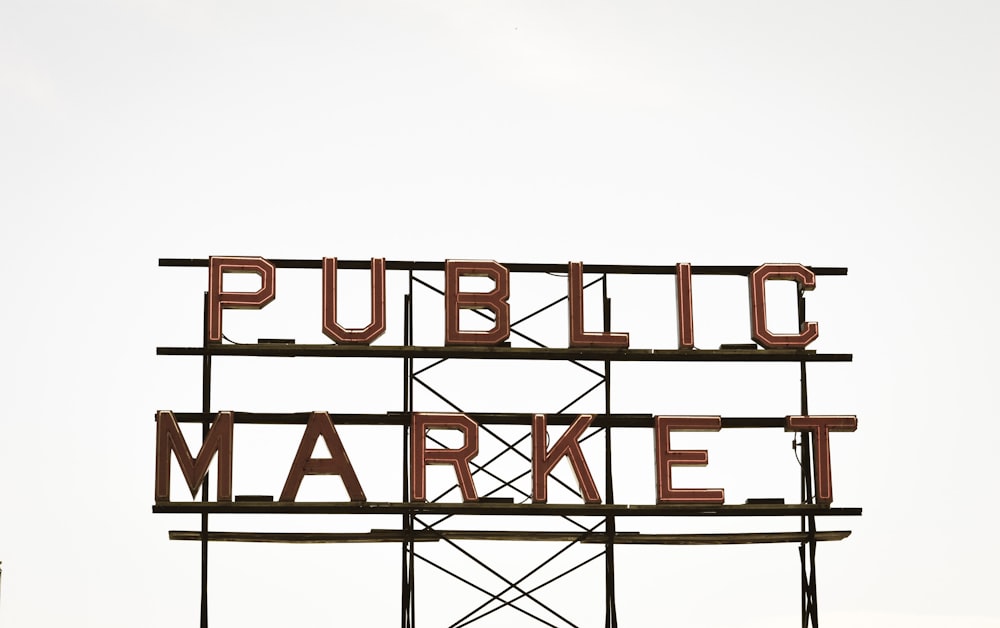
(219, 440)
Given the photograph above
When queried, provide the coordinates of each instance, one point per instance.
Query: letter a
(338, 464)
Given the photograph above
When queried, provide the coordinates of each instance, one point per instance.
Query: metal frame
(415, 525)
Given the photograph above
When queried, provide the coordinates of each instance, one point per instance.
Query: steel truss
(421, 523)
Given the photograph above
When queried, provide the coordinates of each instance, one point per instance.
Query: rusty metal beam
(483, 418)
(493, 508)
(270, 349)
(618, 538)
(519, 267)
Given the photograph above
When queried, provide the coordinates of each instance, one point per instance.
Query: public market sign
(591, 344)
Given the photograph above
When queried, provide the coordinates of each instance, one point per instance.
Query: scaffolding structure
(422, 522)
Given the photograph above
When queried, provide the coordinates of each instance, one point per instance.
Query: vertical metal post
(611, 610)
(206, 403)
(807, 550)
(407, 589)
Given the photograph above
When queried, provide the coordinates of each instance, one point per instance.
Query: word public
(496, 301)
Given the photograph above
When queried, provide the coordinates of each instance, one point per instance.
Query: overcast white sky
(858, 134)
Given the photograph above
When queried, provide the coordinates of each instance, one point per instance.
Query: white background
(858, 134)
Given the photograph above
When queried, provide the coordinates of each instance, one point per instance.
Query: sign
(583, 342)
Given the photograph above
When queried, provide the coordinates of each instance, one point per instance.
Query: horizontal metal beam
(611, 269)
(482, 418)
(494, 508)
(619, 538)
(506, 353)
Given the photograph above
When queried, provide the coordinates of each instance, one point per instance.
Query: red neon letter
(685, 315)
(568, 445)
(667, 458)
(578, 337)
(806, 279)
(459, 458)
(219, 439)
(337, 464)
(219, 300)
(331, 327)
(494, 300)
(821, 426)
